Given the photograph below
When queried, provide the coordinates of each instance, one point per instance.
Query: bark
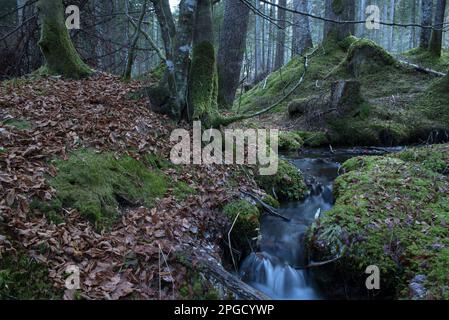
(55, 43)
(339, 10)
(257, 48)
(436, 40)
(302, 39)
(132, 50)
(183, 48)
(231, 50)
(426, 20)
(280, 45)
(391, 30)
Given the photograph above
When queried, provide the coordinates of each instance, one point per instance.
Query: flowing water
(278, 268)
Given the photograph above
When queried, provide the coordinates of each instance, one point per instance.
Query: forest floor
(86, 181)
(395, 108)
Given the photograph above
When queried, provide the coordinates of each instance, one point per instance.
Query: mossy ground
(99, 184)
(247, 223)
(400, 105)
(287, 184)
(424, 58)
(392, 212)
(22, 278)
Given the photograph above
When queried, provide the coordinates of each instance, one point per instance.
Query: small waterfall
(277, 280)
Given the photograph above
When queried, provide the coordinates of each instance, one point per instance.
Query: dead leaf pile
(97, 113)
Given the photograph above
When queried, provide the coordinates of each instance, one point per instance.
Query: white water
(278, 269)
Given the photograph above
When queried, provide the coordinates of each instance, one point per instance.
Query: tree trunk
(426, 20)
(132, 50)
(436, 40)
(231, 49)
(391, 30)
(280, 45)
(339, 10)
(302, 39)
(257, 42)
(55, 43)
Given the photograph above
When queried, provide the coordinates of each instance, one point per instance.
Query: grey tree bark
(280, 44)
(302, 38)
(436, 39)
(231, 49)
(339, 10)
(426, 20)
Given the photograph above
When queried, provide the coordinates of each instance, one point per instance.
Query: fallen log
(211, 268)
(421, 69)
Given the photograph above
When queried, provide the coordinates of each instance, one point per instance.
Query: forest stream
(279, 269)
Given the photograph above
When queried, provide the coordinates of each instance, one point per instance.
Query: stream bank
(389, 211)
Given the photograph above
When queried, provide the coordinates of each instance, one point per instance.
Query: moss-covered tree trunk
(60, 54)
(339, 11)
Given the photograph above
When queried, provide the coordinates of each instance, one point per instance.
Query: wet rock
(416, 286)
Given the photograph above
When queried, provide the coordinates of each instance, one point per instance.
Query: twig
(267, 207)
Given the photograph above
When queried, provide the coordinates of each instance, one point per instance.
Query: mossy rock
(290, 141)
(313, 138)
(271, 201)
(366, 57)
(247, 224)
(390, 213)
(287, 184)
(98, 184)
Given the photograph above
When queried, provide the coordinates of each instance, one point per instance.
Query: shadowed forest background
(359, 91)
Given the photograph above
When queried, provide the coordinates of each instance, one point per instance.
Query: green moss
(203, 83)
(289, 141)
(271, 201)
(433, 103)
(287, 184)
(435, 157)
(366, 57)
(158, 72)
(18, 124)
(338, 6)
(60, 54)
(390, 213)
(247, 224)
(424, 58)
(313, 139)
(96, 184)
(21, 278)
(198, 288)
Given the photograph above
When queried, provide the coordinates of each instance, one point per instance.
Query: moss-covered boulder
(290, 141)
(246, 217)
(366, 57)
(287, 184)
(99, 184)
(391, 212)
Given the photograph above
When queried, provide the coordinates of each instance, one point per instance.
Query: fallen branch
(211, 268)
(269, 209)
(421, 69)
